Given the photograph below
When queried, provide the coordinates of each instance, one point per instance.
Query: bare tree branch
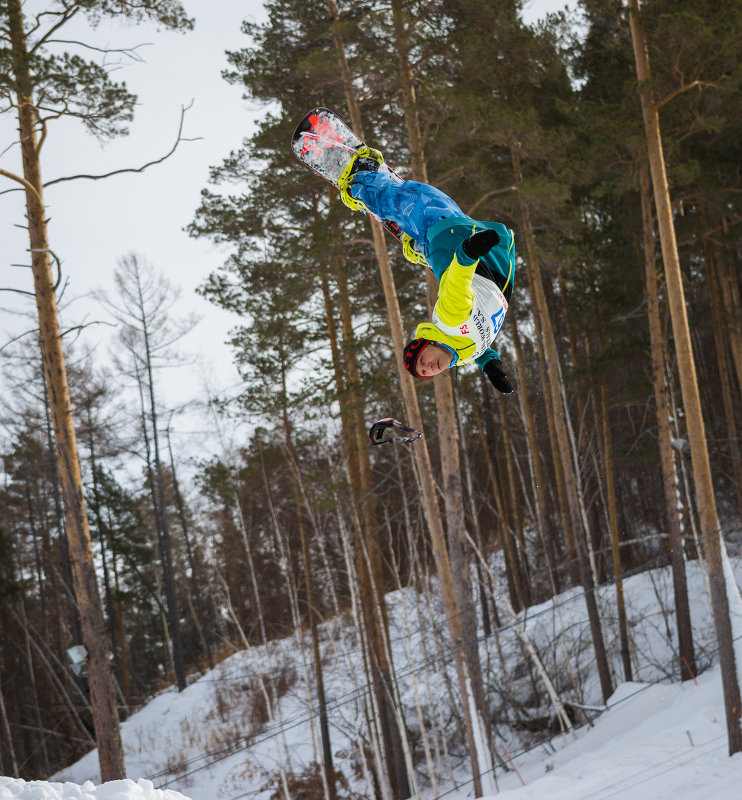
(11, 145)
(683, 88)
(17, 338)
(83, 325)
(492, 193)
(127, 51)
(29, 186)
(69, 12)
(180, 138)
(58, 263)
(28, 266)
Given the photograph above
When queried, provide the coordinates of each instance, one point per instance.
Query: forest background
(579, 478)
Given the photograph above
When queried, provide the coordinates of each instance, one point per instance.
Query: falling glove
(494, 371)
(480, 243)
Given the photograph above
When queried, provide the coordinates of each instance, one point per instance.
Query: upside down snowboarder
(473, 262)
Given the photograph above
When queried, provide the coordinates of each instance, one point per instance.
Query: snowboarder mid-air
(473, 262)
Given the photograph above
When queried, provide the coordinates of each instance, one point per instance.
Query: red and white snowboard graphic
(326, 144)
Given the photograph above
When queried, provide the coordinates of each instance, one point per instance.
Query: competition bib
(484, 321)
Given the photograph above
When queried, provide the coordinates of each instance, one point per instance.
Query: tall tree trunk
(475, 729)
(40, 572)
(514, 505)
(538, 480)
(100, 676)
(313, 616)
(96, 509)
(152, 485)
(7, 733)
(732, 302)
(484, 591)
(34, 692)
(714, 549)
(565, 448)
(725, 380)
(251, 571)
(512, 566)
(312, 610)
(167, 557)
(73, 616)
(446, 418)
(123, 645)
(610, 501)
(351, 404)
(200, 616)
(686, 654)
(367, 528)
(568, 534)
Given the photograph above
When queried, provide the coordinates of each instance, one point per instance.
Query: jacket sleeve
(455, 299)
(488, 355)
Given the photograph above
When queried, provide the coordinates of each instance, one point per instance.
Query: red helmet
(412, 353)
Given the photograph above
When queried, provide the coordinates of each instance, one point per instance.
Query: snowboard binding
(365, 159)
(412, 251)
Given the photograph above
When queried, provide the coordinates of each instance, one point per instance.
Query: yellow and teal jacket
(472, 295)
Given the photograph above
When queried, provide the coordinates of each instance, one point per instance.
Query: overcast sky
(94, 223)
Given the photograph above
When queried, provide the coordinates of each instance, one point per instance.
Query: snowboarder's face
(432, 360)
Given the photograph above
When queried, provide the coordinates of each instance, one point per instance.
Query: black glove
(480, 243)
(494, 371)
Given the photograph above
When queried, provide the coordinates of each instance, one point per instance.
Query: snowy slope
(654, 743)
(657, 740)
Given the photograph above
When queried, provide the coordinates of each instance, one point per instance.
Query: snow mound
(14, 789)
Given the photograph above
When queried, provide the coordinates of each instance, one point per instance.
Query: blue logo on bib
(497, 319)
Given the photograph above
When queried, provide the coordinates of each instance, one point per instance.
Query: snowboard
(325, 144)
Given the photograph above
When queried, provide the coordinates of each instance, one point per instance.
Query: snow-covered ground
(12, 789)
(657, 740)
